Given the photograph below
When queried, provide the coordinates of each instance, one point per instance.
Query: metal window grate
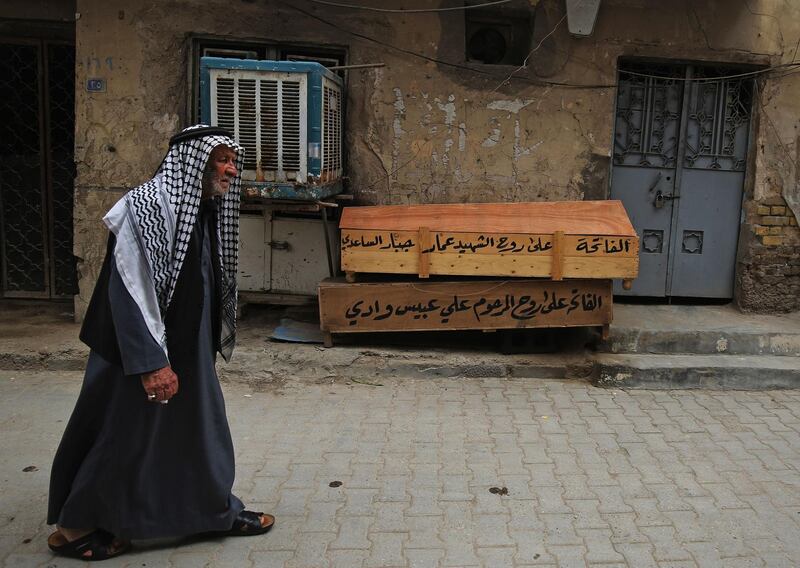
(649, 112)
(22, 208)
(332, 132)
(37, 90)
(267, 117)
(718, 121)
(269, 125)
(290, 127)
(648, 116)
(61, 121)
(246, 121)
(226, 106)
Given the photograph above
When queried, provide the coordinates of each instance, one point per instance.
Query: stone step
(705, 330)
(282, 361)
(704, 342)
(757, 372)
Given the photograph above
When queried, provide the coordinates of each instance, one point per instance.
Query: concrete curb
(317, 363)
(283, 361)
(752, 372)
(61, 360)
(701, 342)
(275, 363)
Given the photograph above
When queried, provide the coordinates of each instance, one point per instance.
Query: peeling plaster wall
(768, 271)
(420, 131)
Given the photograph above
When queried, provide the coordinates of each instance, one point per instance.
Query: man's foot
(249, 523)
(73, 534)
(94, 545)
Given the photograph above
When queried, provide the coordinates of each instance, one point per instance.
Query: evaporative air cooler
(288, 117)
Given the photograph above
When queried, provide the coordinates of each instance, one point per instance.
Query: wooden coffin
(457, 305)
(566, 239)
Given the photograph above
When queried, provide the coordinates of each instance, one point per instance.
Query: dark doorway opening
(37, 169)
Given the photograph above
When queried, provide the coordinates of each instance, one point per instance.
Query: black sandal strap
(98, 541)
(248, 521)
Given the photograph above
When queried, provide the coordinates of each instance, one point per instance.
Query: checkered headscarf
(156, 220)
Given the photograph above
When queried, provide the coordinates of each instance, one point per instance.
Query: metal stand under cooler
(285, 250)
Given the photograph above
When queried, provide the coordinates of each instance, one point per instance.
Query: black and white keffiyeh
(153, 224)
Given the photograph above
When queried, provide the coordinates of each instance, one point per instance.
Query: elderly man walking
(147, 452)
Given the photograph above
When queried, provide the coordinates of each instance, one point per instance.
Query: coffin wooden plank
(570, 217)
(454, 305)
(424, 264)
(357, 240)
(491, 265)
(557, 262)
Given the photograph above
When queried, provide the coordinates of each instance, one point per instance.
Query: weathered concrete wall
(768, 271)
(52, 10)
(438, 133)
(422, 131)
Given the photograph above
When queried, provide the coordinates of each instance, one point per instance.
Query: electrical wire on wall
(460, 66)
(410, 10)
(775, 72)
(754, 73)
(766, 115)
(793, 67)
(532, 51)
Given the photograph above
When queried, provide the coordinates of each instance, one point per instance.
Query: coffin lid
(547, 217)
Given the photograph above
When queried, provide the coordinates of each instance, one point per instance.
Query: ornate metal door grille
(680, 147)
(37, 90)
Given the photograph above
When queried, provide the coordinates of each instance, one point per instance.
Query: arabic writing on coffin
(518, 307)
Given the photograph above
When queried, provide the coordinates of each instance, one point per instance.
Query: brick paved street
(593, 477)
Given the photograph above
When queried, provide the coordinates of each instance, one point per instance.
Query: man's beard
(213, 186)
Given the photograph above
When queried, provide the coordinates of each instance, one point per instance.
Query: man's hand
(160, 385)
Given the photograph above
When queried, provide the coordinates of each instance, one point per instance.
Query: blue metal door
(680, 144)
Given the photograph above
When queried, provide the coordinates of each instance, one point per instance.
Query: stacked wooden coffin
(479, 266)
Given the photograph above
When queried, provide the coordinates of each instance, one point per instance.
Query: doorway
(680, 148)
(37, 170)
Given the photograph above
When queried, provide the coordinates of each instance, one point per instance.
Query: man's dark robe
(136, 468)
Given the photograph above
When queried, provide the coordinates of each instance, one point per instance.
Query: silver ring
(151, 397)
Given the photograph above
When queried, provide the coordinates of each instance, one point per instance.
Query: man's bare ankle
(73, 534)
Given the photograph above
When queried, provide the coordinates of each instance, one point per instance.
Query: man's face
(220, 172)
